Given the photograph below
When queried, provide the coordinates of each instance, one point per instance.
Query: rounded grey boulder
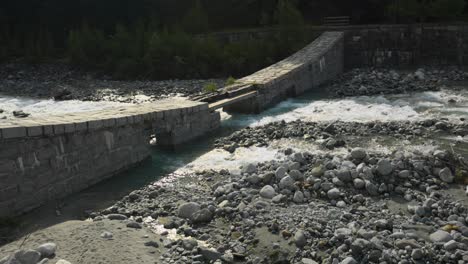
(186, 210)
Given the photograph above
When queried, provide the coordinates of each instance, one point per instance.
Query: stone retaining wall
(315, 64)
(401, 45)
(46, 159)
(406, 45)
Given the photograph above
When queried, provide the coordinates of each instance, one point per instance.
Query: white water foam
(38, 107)
(412, 107)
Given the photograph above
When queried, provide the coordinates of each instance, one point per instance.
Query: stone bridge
(50, 157)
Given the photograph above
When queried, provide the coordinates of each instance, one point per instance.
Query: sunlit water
(200, 155)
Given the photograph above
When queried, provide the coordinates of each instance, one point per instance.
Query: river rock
(349, 260)
(446, 175)
(334, 194)
(47, 249)
(27, 256)
(210, 254)
(133, 224)
(299, 238)
(372, 188)
(344, 175)
(186, 210)
(417, 254)
(116, 217)
(384, 167)
(440, 236)
(298, 197)
(286, 183)
(202, 216)
(359, 184)
(280, 173)
(267, 192)
(249, 168)
(308, 261)
(358, 153)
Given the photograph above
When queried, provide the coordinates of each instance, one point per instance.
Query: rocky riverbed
(63, 82)
(324, 191)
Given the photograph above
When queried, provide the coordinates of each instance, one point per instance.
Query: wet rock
(151, 243)
(20, 114)
(267, 192)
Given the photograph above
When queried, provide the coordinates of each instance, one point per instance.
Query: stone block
(69, 128)
(14, 132)
(59, 129)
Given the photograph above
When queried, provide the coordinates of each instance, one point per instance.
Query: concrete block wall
(47, 159)
(315, 64)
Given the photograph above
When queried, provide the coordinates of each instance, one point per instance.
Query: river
(200, 154)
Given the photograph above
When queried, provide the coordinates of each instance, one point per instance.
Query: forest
(158, 39)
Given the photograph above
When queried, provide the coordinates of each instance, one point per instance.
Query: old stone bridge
(48, 158)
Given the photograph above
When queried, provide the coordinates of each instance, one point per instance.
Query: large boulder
(47, 249)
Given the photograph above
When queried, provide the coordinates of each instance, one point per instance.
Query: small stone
(384, 167)
(280, 173)
(298, 197)
(249, 168)
(267, 192)
(202, 216)
(107, 235)
(359, 184)
(349, 260)
(27, 256)
(451, 245)
(47, 249)
(318, 171)
(134, 224)
(446, 175)
(372, 188)
(186, 210)
(210, 254)
(116, 217)
(287, 183)
(299, 238)
(404, 174)
(358, 153)
(151, 244)
(308, 261)
(334, 194)
(417, 254)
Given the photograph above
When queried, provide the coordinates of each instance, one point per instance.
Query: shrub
(210, 88)
(230, 81)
